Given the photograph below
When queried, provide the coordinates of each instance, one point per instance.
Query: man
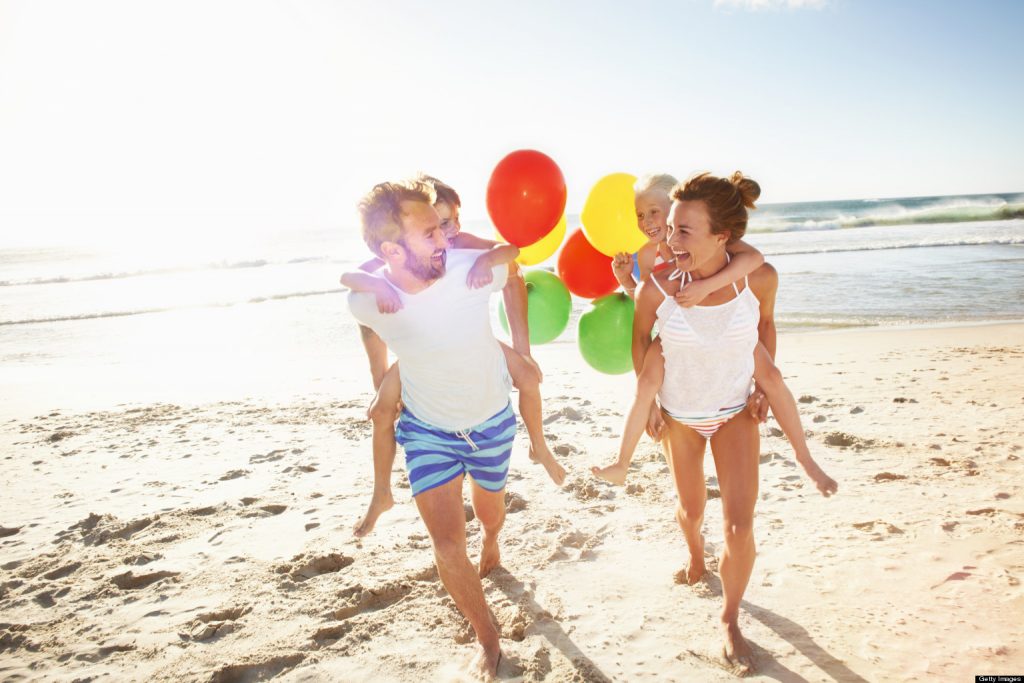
(455, 388)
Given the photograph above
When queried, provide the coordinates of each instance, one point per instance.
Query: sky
(206, 119)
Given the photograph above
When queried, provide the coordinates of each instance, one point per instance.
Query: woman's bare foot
(546, 458)
(826, 484)
(379, 504)
(695, 570)
(615, 474)
(490, 555)
(736, 650)
(484, 665)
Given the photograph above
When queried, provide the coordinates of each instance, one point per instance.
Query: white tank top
(709, 352)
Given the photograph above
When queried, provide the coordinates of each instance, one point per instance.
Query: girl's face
(652, 214)
(449, 214)
(690, 237)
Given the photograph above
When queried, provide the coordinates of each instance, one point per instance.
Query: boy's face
(423, 244)
(652, 214)
(449, 216)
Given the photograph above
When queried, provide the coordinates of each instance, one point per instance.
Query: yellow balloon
(609, 217)
(543, 248)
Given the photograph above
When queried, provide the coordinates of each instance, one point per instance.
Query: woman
(709, 364)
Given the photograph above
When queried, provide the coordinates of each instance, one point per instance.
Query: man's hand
(655, 423)
(481, 274)
(757, 405)
(622, 266)
(693, 293)
(388, 300)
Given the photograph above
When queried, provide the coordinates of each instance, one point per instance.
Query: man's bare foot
(484, 665)
(616, 474)
(736, 650)
(546, 458)
(490, 555)
(826, 484)
(695, 570)
(380, 504)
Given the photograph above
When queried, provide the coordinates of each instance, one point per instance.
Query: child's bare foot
(736, 651)
(826, 484)
(484, 665)
(379, 504)
(490, 555)
(546, 458)
(616, 473)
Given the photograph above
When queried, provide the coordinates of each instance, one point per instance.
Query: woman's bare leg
(684, 451)
(383, 412)
(526, 377)
(647, 385)
(735, 447)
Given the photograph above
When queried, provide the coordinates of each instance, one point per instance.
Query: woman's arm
(648, 298)
(745, 260)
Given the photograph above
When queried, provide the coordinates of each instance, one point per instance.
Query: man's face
(423, 241)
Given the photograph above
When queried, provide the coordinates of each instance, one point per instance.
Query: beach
(183, 531)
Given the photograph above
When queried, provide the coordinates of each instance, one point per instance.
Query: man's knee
(449, 551)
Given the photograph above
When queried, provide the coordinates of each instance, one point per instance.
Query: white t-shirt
(453, 370)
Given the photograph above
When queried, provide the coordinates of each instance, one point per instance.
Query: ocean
(271, 306)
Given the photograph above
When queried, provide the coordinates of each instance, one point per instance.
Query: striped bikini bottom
(706, 424)
(434, 456)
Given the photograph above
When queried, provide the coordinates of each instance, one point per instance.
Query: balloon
(525, 196)
(609, 217)
(605, 334)
(542, 249)
(547, 306)
(584, 270)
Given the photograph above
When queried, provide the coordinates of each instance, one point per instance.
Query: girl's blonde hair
(655, 181)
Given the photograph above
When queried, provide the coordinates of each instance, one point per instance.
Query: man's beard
(424, 269)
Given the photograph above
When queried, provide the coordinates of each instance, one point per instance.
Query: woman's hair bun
(748, 188)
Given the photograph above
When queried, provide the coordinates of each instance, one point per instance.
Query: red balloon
(584, 270)
(525, 196)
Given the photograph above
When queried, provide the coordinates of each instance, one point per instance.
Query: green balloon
(547, 306)
(605, 334)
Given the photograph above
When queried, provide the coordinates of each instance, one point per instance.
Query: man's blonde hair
(380, 210)
(655, 181)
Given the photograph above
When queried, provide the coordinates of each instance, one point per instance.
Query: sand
(211, 540)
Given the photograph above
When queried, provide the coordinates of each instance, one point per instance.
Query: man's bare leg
(489, 508)
(647, 385)
(383, 412)
(684, 451)
(783, 405)
(526, 378)
(442, 512)
(735, 447)
(376, 353)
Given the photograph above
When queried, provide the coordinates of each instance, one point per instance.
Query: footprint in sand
(268, 457)
(131, 581)
(304, 566)
(360, 600)
(233, 474)
(215, 624)
(256, 671)
(888, 476)
(878, 529)
(844, 440)
(514, 503)
(8, 531)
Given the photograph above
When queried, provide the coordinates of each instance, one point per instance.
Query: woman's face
(690, 237)
(652, 213)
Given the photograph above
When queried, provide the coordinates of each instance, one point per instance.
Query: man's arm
(514, 294)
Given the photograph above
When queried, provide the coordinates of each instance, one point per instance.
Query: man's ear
(391, 250)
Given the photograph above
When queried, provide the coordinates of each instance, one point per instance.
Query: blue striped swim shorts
(435, 456)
